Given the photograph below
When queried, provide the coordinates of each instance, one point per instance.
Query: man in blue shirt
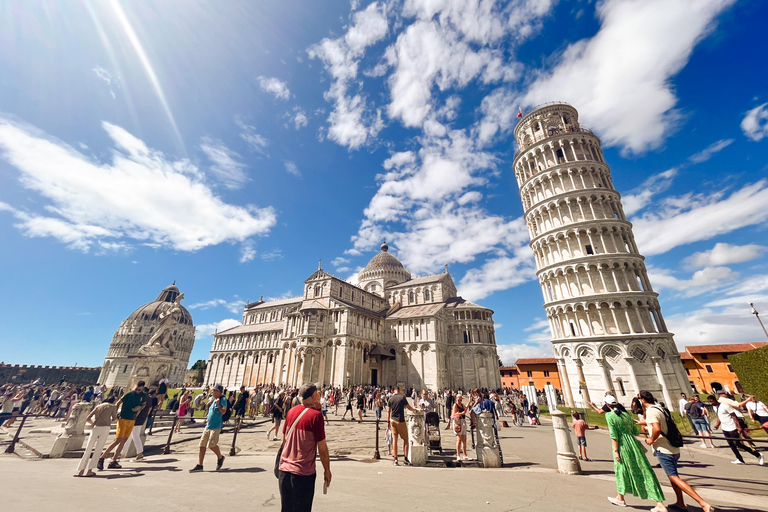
(210, 438)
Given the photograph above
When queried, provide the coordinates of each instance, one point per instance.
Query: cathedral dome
(383, 260)
(151, 311)
(385, 268)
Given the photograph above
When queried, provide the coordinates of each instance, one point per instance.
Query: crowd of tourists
(299, 417)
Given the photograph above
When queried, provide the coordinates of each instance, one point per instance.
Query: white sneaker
(761, 461)
(738, 462)
(703, 445)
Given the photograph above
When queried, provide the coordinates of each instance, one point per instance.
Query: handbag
(280, 450)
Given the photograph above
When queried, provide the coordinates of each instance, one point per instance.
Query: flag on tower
(520, 112)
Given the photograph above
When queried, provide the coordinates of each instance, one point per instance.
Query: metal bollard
(167, 448)
(154, 416)
(376, 455)
(15, 440)
(234, 437)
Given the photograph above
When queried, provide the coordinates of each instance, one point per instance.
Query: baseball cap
(218, 387)
(610, 399)
(307, 390)
(720, 392)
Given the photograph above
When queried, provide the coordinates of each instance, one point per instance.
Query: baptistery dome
(382, 271)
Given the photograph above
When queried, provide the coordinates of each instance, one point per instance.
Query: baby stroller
(432, 427)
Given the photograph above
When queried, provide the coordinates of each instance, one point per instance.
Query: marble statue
(161, 341)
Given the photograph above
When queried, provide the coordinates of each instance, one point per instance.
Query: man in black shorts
(349, 407)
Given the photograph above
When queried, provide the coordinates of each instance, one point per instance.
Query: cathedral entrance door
(374, 377)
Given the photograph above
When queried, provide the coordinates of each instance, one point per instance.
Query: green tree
(200, 364)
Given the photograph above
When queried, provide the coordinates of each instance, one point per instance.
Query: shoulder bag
(287, 436)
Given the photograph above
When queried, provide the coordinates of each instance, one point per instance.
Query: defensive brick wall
(23, 374)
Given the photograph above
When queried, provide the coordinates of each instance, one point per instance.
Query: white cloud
(755, 123)
(107, 77)
(706, 154)
(725, 254)
(338, 261)
(512, 352)
(621, 78)
(692, 218)
(275, 254)
(255, 141)
(497, 274)
(639, 198)
(702, 281)
(292, 169)
(140, 195)
(206, 330)
(234, 306)
(299, 118)
(716, 325)
(351, 124)
(274, 86)
(247, 252)
(226, 167)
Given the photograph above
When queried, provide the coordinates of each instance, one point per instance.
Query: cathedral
(390, 329)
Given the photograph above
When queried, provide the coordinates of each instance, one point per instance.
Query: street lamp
(757, 315)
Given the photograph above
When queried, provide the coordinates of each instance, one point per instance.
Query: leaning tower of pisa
(607, 329)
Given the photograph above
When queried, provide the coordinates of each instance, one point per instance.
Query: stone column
(417, 446)
(486, 446)
(632, 374)
(565, 383)
(582, 379)
(567, 462)
(663, 381)
(606, 376)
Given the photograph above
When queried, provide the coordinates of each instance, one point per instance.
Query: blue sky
(229, 146)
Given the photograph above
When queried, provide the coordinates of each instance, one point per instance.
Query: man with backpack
(666, 439)
(214, 422)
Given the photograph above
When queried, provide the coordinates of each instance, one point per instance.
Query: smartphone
(325, 487)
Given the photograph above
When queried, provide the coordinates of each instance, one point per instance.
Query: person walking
(130, 404)
(726, 421)
(241, 404)
(697, 414)
(138, 429)
(214, 421)
(277, 415)
(633, 471)
(758, 412)
(658, 421)
(396, 407)
(184, 404)
(449, 401)
(101, 418)
(580, 428)
(303, 438)
(360, 399)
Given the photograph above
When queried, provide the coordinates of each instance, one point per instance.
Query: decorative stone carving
(487, 448)
(161, 342)
(417, 446)
(72, 435)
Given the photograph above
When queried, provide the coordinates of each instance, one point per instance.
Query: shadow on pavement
(242, 470)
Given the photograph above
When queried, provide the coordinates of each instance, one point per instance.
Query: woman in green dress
(633, 472)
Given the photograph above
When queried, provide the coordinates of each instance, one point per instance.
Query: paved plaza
(528, 480)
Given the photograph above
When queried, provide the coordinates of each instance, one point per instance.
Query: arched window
(317, 290)
(410, 297)
(270, 358)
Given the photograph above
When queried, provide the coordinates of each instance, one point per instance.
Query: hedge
(751, 367)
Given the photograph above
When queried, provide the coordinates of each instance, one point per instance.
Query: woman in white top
(758, 412)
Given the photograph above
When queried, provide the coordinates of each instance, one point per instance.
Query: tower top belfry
(608, 332)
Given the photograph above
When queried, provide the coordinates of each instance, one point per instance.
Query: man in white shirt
(726, 420)
(758, 412)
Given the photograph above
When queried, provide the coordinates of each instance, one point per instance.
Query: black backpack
(673, 434)
(227, 414)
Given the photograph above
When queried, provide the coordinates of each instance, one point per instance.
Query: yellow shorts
(124, 427)
(399, 429)
(210, 438)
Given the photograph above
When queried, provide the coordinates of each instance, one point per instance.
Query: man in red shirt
(300, 446)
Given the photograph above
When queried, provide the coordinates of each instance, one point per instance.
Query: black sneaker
(219, 463)
(196, 469)
(100, 465)
(114, 465)
(407, 462)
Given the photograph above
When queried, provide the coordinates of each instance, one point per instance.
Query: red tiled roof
(536, 360)
(732, 348)
(685, 355)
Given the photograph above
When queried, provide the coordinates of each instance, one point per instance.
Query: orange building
(537, 372)
(708, 368)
